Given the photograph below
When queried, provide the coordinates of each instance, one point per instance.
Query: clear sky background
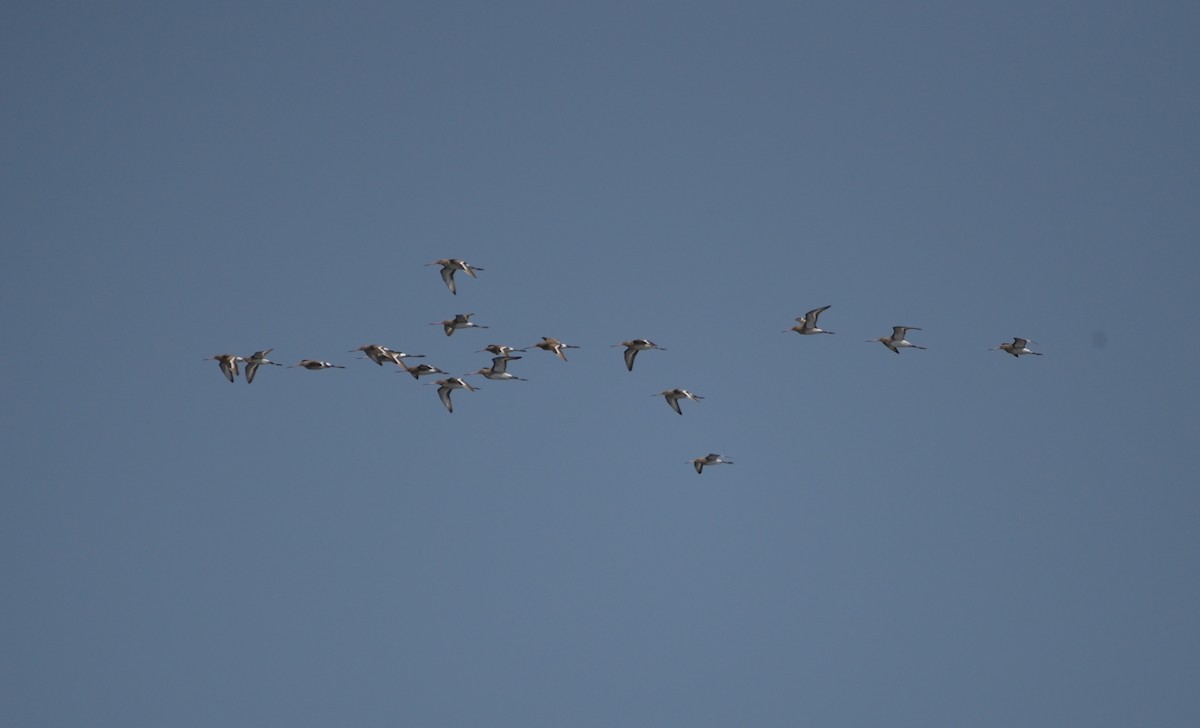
(948, 537)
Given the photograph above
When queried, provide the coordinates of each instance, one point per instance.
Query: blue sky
(942, 538)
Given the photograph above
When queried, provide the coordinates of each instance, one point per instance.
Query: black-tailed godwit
(633, 346)
(554, 346)
(807, 324)
(460, 321)
(1019, 347)
(452, 265)
(229, 365)
(674, 395)
(314, 364)
(255, 360)
(445, 386)
(710, 459)
(896, 341)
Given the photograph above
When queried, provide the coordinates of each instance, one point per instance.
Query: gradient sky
(947, 537)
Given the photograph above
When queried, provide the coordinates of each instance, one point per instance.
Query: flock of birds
(502, 354)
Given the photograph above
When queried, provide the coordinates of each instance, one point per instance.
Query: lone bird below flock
(554, 346)
(633, 346)
(710, 459)
(674, 395)
(1019, 347)
(897, 341)
(452, 265)
(807, 324)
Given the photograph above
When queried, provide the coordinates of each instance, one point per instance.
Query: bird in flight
(313, 365)
(446, 386)
(452, 265)
(460, 321)
(710, 459)
(633, 346)
(897, 340)
(499, 369)
(554, 346)
(255, 360)
(807, 324)
(1019, 347)
(229, 365)
(674, 395)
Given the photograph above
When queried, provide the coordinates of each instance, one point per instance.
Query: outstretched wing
(448, 279)
(811, 316)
